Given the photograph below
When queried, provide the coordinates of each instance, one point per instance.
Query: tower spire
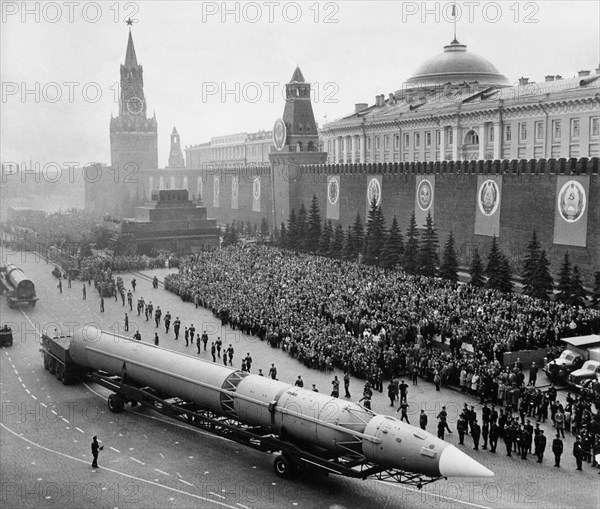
(130, 58)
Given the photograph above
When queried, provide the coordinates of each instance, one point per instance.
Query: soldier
(494, 433)
(578, 452)
(540, 445)
(508, 439)
(198, 343)
(122, 292)
(533, 375)
(230, 354)
(299, 382)
(192, 334)
(314, 387)
(69, 279)
(391, 392)
(101, 304)
(366, 399)
(461, 427)
(205, 340)
(443, 417)
(176, 327)
(167, 320)
(526, 440)
(60, 284)
(423, 420)
(84, 291)
(95, 448)
(485, 431)
(130, 300)
(347, 384)
(475, 434)
(149, 308)
(137, 336)
(133, 283)
(403, 408)
(213, 350)
(260, 373)
(403, 390)
(248, 360)
(186, 335)
(557, 450)
(126, 323)
(273, 372)
(335, 391)
(156, 338)
(218, 344)
(157, 315)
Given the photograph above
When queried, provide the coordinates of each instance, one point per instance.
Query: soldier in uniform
(578, 452)
(95, 448)
(218, 345)
(186, 335)
(130, 300)
(494, 433)
(526, 440)
(475, 434)
(485, 431)
(461, 427)
(84, 291)
(126, 323)
(176, 327)
(273, 372)
(403, 408)
(509, 434)
(213, 350)
(248, 360)
(167, 320)
(205, 341)
(157, 315)
(299, 382)
(557, 450)
(230, 354)
(198, 343)
(423, 420)
(403, 390)
(335, 391)
(347, 384)
(540, 445)
(156, 338)
(192, 334)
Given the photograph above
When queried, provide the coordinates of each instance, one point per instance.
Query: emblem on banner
(333, 190)
(571, 201)
(256, 188)
(279, 134)
(489, 197)
(424, 195)
(234, 188)
(374, 191)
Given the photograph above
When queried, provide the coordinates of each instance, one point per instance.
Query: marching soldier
(126, 323)
(168, 322)
(157, 315)
(176, 327)
(205, 340)
(130, 300)
(213, 350)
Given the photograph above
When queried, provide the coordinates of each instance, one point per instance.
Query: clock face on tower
(135, 105)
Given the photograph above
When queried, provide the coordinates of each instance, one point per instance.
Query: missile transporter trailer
(303, 429)
(18, 288)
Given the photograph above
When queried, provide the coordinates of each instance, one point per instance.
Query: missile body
(307, 416)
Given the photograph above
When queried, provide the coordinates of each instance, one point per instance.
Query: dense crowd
(331, 313)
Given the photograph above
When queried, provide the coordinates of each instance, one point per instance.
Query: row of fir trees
(417, 253)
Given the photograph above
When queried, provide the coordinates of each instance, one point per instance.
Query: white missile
(306, 416)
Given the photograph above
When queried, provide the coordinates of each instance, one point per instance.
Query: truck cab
(559, 368)
(589, 371)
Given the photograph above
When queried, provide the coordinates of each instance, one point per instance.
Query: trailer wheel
(52, 367)
(60, 373)
(283, 466)
(115, 403)
(46, 362)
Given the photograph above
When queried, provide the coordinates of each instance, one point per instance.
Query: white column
(345, 155)
(497, 139)
(455, 143)
(363, 148)
(336, 144)
(353, 153)
(443, 134)
(482, 134)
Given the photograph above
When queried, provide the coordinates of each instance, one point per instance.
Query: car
(589, 371)
(6, 336)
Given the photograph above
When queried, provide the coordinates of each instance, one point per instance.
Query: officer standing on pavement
(95, 448)
(557, 449)
(423, 420)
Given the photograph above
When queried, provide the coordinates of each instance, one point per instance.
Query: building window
(522, 131)
(417, 139)
(377, 142)
(428, 139)
(507, 133)
(574, 128)
(491, 134)
(556, 129)
(386, 141)
(472, 138)
(450, 136)
(406, 140)
(438, 137)
(595, 126)
(369, 143)
(539, 131)
(397, 141)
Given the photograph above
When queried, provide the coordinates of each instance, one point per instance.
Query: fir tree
(302, 228)
(348, 252)
(283, 237)
(564, 280)
(374, 237)
(292, 231)
(505, 274)
(428, 254)
(542, 280)
(264, 228)
(449, 268)
(493, 270)
(596, 292)
(326, 237)
(411, 248)
(476, 270)
(313, 234)
(393, 247)
(530, 265)
(336, 247)
(358, 237)
(577, 292)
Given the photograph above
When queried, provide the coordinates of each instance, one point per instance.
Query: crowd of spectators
(333, 313)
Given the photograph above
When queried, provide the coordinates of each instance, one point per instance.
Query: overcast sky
(193, 53)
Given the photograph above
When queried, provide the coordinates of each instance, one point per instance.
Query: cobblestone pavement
(518, 483)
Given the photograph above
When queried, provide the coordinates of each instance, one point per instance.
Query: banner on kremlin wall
(373, 193)
(216, 191)
(333, 197)
(424, 197)
(571, 210)
(235, 187)
(487, 206)
(256, 194)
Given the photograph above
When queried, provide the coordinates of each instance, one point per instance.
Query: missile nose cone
(455, 463)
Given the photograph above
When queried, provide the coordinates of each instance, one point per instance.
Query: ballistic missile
(309, 417)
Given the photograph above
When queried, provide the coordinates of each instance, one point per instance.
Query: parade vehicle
(6, 336)
(579, 349)
(302, 428)
(589, 371)
(19, 289)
